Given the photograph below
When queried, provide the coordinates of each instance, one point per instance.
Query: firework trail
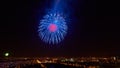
(53, 27)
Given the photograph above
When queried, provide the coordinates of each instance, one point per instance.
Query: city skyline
(93, 30)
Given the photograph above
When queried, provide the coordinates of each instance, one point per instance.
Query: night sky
(93, 29)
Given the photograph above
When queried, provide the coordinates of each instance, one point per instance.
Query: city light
(6, 54)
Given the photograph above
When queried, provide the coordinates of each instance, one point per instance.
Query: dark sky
(93, 29)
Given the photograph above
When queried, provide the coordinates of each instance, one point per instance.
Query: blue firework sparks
(52, 28)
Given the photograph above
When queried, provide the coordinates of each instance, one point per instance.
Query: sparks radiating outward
(52, 28)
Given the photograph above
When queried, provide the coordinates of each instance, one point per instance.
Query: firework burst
(52, 28)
